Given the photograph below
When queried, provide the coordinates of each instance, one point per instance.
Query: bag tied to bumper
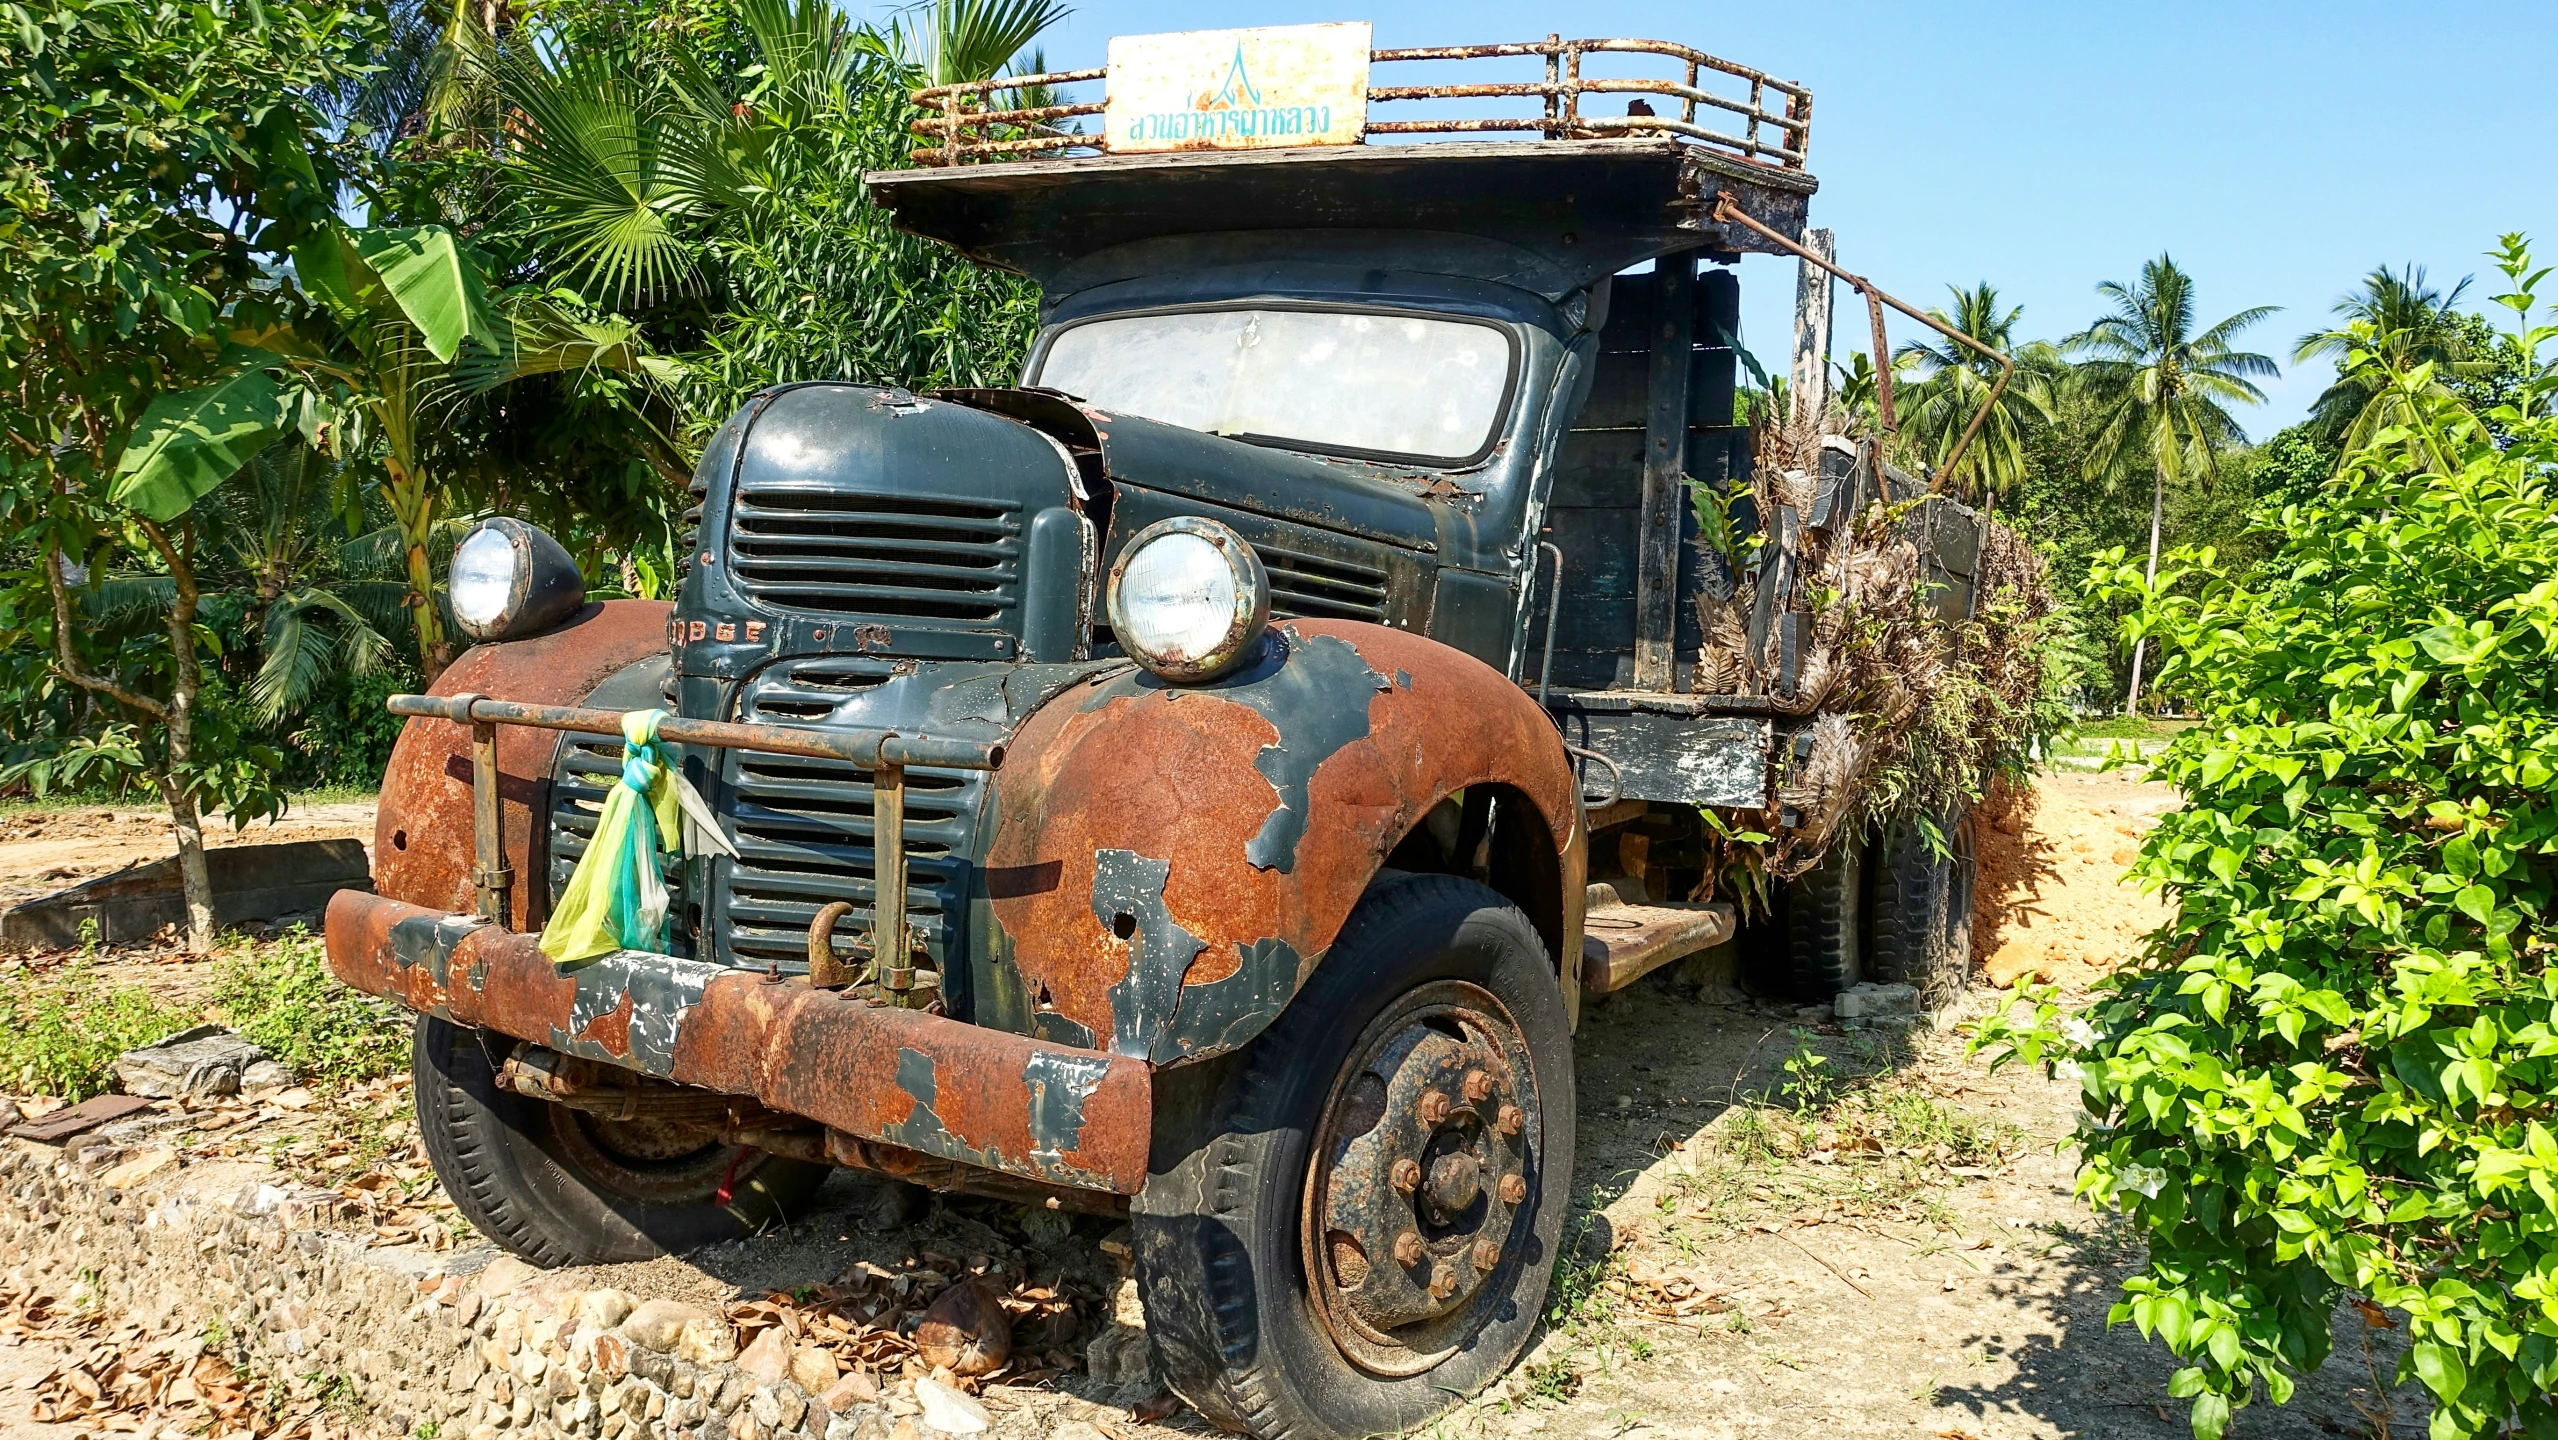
(616, 898)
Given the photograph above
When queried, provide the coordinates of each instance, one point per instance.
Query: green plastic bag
(616, 900)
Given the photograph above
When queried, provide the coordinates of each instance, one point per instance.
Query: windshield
(1352, 383)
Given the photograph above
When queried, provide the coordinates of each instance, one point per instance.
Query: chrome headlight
(509, 580)
(1189, 599)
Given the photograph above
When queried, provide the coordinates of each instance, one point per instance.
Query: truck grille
(896, 558)
(803, 830)
(1304, 587)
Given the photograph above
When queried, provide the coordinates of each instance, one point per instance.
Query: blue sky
(2277, 151)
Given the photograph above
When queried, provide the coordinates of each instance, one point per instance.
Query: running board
(1621, 943)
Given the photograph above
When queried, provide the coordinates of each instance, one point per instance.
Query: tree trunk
(2157, 511)
(193, 878)
(413, 506)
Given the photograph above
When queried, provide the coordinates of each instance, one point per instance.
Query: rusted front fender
(422, 832)
(921, 1082)
(1169, 863)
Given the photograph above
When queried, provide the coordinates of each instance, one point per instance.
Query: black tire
(555, 1187)
(1222, 1227)
(1921, 933)
(1824, 922)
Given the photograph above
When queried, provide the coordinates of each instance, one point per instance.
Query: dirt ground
(1875, 1240)
(43, 849)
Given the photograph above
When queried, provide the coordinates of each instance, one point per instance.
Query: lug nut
(1478, 1087)
(1434, 1107)
(1486, 1255)
(1443, 1282)
(1406, 1175)
(1407, 1248)
(1514, 1188)
(1512, 1119)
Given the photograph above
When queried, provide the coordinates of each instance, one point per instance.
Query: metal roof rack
(964, 126)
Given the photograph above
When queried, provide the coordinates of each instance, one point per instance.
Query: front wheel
(1363, 1233)
(562, 1187)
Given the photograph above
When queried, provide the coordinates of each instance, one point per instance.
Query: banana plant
(403, 326)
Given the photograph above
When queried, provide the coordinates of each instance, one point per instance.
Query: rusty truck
(1202, 782)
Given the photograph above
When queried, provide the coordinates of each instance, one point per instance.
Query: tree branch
(67, 664)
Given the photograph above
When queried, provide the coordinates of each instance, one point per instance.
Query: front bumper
(990, 1098)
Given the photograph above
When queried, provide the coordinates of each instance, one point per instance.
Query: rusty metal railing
(966, 124)
(884, 753)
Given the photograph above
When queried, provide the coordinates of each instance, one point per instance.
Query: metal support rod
(862, 747)
(490, 877)
(1727, 210)
(888, 882)
(1553, 607)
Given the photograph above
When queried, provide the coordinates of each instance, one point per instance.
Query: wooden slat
(1664, 471)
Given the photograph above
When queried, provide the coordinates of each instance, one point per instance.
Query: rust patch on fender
(1226, 830)
(422, 831)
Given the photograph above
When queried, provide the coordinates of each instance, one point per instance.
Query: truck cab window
(1345, 382)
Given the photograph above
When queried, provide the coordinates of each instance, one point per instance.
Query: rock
(1119, 1356)
(765, 1405)
(604, 1309)
(854, 1389)
(948, 1411)
(794, 1406)
(11, 1117)
(767, 1358)
(504, 1276)
(1869, 1000)
(965, 1330)
(263, 1076)
(1047, 1228)
(707, 1341)
(658, 1324)
(143, 1165)
(207, 1060)
(813, 1368)
(850, 1425)
(1076, 1430)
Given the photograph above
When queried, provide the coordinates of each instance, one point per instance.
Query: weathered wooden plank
(1665, 449)
(1812, 287)
(1700, 760)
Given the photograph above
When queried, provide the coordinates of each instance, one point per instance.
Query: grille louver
(890, 557)
(1304, 587)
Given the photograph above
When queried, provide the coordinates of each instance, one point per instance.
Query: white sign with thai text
(1238, 89)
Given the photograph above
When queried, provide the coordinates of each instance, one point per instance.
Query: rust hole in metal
(1123, 925)
(399, 839)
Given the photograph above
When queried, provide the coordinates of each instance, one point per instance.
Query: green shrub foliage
(2332, 1076)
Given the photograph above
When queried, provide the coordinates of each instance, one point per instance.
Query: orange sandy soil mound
(2052, 901)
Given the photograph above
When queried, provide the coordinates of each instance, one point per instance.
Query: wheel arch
(1169, 864)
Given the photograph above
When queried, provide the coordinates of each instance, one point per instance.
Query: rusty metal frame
(965, 125)
(1727, 210)
(885, 753)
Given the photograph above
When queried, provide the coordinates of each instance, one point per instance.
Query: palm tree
(2389, 328)
(2161, 391)
(1954, 380)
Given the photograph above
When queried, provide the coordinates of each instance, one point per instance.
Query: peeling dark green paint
(1125, 883)
(1215, 1017)
(421, 941)
(662, 990)
(1314, 690)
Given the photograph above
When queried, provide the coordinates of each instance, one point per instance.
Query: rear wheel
(1360, 1231)
(1823, 918)
(563, 1187)
(1922, 917)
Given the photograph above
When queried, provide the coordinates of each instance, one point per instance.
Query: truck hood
(1411, 510)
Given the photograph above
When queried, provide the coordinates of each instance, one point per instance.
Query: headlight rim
(544, 585)
(1242, 638)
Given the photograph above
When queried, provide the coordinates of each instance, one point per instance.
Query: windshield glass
(1352, 383)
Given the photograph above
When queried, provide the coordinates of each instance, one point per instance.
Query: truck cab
(1168, 786)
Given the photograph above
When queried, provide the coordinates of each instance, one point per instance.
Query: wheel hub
(1416, 1200)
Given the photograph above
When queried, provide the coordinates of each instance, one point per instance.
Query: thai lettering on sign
(1239, 89)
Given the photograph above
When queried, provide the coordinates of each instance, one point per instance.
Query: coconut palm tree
(1953, 381)
(2161, 392)
(2394, 324)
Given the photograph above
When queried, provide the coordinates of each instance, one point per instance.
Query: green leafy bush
(2333, 1074)
(61, 1031)
(282, 997)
